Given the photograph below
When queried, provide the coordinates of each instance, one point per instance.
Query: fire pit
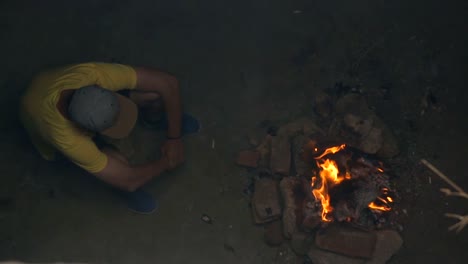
(333, 203)
(346, 186)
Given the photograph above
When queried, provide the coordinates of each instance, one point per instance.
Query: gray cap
(104, 111)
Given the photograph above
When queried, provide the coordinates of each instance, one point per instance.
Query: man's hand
(119, 173)
(173, 149)
(167, 87)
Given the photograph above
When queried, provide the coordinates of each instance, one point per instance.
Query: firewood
(463, 220)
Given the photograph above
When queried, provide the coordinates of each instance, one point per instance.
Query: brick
(280, 161)
(346, 241)
(310, 222)
(388, 243)
(372, 142)
(248, 158)
(287, 187)
(274, 233)
(359, 125)
(258, 220)
(300, 126)
(265, 152)
(266, 201)
(303, 148)
(318, 256)
(301, 243)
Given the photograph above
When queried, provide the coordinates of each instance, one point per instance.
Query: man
(64, 108)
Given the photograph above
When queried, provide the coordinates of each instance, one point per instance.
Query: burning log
(310, 211)
(351, 197)
(463, 220)
(345, 195)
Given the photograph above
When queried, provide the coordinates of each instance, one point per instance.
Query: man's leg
(152, 112)
(139, 201)
(150, 104)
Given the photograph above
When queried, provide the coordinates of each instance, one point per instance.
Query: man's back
(49, 129)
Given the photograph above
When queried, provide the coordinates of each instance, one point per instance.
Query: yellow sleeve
(115, 76)
(85, 154)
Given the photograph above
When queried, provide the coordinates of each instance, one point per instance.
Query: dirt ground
(240, 63)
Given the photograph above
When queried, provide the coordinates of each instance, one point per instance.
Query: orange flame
(329, 176)
(385, 207)
(322, 195)
(330, 171)
(331, 150)
(374, 206)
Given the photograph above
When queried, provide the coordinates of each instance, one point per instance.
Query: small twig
(463, 220)
(460, 225)
(441, 175)
(450, 193)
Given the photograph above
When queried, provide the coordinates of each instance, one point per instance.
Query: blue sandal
(141, 202)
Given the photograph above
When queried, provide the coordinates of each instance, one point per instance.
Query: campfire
(327, 191)
(371, 189)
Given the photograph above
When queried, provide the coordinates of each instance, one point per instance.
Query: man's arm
(119, 173)
(166, 85)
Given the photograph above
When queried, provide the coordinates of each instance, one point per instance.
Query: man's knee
(144, 99)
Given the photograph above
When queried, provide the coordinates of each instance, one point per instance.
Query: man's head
(103, 111)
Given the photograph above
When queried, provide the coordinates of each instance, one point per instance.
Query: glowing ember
(329, 176)
(347, 176)
(373, 206)
(331, 150)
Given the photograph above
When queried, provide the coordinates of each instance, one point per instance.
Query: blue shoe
(190, 124)
(141, 202)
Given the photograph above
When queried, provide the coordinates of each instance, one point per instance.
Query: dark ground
(239, 62)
